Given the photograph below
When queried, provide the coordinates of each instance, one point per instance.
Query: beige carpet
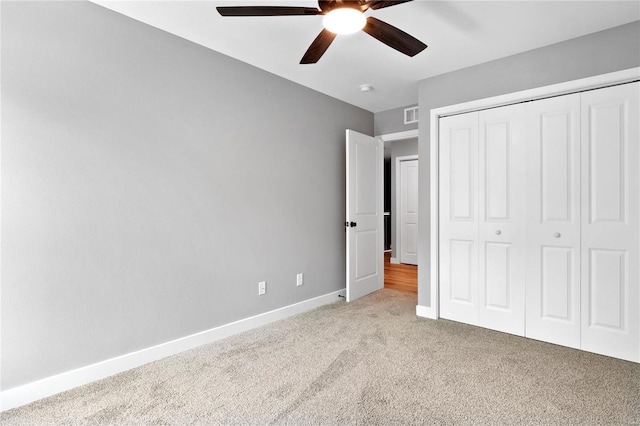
(369, 362)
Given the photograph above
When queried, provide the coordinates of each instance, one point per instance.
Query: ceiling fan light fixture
(344, 20)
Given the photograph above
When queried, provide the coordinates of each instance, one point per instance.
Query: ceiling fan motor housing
(329, 5)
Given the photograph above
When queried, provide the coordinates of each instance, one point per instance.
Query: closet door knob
(557, 235)
(498, 232)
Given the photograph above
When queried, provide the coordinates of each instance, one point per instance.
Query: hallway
(400, 276)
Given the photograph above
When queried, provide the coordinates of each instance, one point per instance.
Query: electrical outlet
(262, 288)
(300, 279)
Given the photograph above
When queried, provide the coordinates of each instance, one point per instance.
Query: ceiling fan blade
(393, 37)
(318, 47)
(326, 5)
(266, 11)
(379, 4)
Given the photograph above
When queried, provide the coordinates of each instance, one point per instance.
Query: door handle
(498, 232)
(350, 224)
(557, 235)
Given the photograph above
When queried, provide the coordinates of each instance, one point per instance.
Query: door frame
(399, 136)
(398, 205)
(573, 86)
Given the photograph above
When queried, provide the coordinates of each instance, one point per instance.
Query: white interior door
(553, 220)
(501, 219)
(458, 238)
(364, 221)
(611, 221)
(409, 212)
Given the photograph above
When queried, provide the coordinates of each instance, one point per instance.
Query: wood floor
(400, 276)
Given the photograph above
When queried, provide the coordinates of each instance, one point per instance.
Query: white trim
(434, 155)
(52, 385)
(398, 204)
(407, 134)
(425, 312)
(394, 260)
(0, 205)
(583, 84)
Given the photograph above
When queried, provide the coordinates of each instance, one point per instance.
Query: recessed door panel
(412, 186)
(606, 148)
(497, 276)
(409, 244)
(557, 268)
(497, 170)
(608, 282)
(462, 172)
(611, 221)
(365, 168)
(461, 271)
(553, 220)
(366, 253)
(557, 164)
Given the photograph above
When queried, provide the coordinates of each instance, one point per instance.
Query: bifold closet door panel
(458, 238)
(611, 221)
(553, 220)
(501, 202)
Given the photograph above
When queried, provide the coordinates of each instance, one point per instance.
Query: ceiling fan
(340, 17)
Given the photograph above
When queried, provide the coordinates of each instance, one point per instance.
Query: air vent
(410, 115)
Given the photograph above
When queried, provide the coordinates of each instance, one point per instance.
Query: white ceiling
(459, 34)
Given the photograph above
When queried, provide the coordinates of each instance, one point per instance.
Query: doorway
(401, 156)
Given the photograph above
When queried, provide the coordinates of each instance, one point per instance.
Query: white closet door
(610, 222)
(459, 218)
(553, 220)
(501, 243)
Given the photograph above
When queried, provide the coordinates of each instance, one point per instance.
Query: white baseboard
(33, 391)
(394, 260)
(425, 312)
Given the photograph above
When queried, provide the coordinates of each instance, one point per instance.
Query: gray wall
(598, 53)
(392, 121)
(398, 149)
(149, 183)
